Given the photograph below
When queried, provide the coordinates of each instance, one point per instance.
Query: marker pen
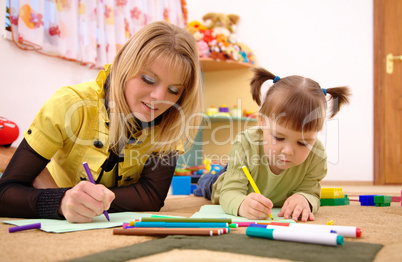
(287, 234)
(318, 230)
(346, 231)
(245, 224)
(180, 224)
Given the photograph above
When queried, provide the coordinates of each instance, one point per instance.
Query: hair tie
(324, 91)
(276, 79)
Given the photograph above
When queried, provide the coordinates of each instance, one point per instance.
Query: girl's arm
(18, 197)
(149, 193)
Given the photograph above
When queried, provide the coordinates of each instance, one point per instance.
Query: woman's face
(153, 90)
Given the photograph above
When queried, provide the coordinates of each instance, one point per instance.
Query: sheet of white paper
(63, 226)
(215, 211)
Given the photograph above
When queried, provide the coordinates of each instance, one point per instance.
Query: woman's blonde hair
(156, 41)
(297, 102)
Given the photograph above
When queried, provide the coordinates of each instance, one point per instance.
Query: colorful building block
(334, 201)
(181, 185)
(335, 192)
(395, 198)
(367, 200)
(382, 201)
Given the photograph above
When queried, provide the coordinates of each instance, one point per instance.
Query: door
(387, 92)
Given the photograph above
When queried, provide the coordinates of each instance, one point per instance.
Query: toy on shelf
(235, 111)
(185, 180)
(212, 110)
(216, 38)
(223, 111)
(333, 197)
(249, 114)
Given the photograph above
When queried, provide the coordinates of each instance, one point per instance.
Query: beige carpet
(381, 225)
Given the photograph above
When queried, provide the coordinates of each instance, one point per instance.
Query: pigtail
(339, 96)
(260, 76)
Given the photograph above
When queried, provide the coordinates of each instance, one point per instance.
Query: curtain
(88, 31)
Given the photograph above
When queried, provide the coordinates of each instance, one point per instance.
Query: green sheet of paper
(215, 211)
(63, 226)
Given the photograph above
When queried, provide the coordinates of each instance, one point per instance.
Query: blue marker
(181, 224)
(288, 234)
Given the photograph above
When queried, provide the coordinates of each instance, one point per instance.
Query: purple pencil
(91, 179)
(25, 227)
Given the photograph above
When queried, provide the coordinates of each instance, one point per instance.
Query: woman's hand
(85, 201)
(255, 206)
(296, 206)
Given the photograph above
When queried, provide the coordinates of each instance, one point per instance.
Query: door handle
(390, 62)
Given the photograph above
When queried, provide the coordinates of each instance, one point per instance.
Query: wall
(28, 79)
(328, 41)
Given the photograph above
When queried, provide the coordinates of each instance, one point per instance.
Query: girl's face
(153, 90)
(285, 148)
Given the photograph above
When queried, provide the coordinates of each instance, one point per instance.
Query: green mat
(242, 244)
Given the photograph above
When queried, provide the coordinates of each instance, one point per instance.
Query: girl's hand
(255, 206)
(296, 206)
(85, 201)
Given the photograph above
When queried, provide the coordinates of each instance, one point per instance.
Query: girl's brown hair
(297, 102)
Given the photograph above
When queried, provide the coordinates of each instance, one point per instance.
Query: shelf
(229, 118)
(209, 65)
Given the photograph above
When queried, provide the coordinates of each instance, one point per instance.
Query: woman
(129, 126)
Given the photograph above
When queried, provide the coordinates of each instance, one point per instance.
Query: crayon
(25, 227)
(253, 184)
(288, 234)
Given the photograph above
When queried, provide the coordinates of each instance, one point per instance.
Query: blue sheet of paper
(216, 211)
(63, 226)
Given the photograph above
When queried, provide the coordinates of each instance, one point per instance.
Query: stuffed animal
(222, 24)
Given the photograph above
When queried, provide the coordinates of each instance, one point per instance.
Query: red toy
(8, 132)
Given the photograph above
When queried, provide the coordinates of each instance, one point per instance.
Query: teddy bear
(222, 24)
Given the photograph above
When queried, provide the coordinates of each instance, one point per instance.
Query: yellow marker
(251, 180)
(331, 222)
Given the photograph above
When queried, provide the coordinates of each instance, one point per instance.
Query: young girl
(128, 125)
(283, 154)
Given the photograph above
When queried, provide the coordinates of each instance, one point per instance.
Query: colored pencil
(253, 184)
(167, 231)
(180, 225)
(91, 179)
(184, 219)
